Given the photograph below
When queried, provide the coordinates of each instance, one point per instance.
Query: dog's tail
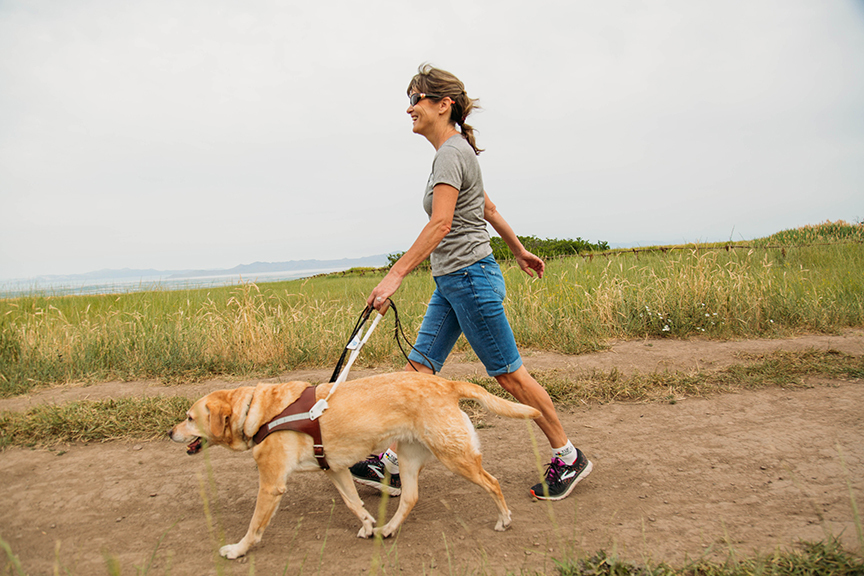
(493, 403)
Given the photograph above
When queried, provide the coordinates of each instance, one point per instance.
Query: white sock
(391, 462)
(568, 453)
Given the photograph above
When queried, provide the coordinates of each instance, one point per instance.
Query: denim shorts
(469, 301)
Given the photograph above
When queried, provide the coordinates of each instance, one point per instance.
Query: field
(717, 390)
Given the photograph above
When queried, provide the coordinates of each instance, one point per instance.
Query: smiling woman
(469, 286)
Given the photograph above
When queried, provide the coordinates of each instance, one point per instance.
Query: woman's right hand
(386, 288)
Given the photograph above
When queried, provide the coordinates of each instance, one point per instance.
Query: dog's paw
(383, 532)
(503, 524)
(366, 532)
(232, 551)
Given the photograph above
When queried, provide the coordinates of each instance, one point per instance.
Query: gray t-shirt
(456, 164)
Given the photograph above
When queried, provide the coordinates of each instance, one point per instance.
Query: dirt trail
(743, 472)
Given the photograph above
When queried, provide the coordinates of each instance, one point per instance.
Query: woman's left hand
(529, 263)
(386, 288)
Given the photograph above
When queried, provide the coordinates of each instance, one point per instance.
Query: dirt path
(738, 472)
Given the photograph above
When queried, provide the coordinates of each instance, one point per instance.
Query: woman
(470, 289)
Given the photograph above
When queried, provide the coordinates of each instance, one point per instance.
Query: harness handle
(385, 306)
(355, 343)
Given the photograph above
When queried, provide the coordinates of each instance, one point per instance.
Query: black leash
(396, 331)
(364, 316)
(361, 321)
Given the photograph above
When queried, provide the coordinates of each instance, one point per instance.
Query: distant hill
(245, 270)
(290, 266)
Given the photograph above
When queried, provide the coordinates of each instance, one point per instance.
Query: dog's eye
(189, 418)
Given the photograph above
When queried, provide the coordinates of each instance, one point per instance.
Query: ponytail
(468, 133)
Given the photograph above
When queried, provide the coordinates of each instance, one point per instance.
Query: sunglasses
(417, 96)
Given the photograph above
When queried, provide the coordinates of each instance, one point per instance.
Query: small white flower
(666, 328)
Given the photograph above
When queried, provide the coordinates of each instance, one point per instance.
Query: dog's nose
(170, 431)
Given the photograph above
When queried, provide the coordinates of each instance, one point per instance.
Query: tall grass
(839, 231)
(580, 304)
(717, 293)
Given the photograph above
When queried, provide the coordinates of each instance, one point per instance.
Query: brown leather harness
(296, 417)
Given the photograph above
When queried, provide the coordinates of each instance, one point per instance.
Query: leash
(397, 329)
(353, 340)
(355, 343)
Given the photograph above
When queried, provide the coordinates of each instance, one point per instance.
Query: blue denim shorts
(469, 301)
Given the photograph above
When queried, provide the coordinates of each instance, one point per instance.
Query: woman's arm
(444, 199)
(528, 262)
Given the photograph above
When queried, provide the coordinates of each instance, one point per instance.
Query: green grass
(782, 368)
(719, 294)
(826, 558)
(149, 418)
(826, 232)
(93, 421)
(581, 303)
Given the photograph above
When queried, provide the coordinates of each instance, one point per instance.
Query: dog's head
(215, 419)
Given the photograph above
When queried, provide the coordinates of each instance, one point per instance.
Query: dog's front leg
(344, 483)
(265, 508)
(274, 464)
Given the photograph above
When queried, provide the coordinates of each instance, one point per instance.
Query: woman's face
(423, 114)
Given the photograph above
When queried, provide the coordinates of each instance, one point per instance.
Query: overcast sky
(205, 134)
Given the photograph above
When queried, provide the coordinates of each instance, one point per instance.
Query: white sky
(206, 134)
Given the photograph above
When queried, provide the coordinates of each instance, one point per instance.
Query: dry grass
(253, 331)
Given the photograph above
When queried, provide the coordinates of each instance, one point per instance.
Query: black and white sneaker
(561, 478)
(371, 472)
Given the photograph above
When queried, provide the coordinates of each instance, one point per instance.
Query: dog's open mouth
(194, 447)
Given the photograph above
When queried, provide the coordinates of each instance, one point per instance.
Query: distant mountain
(290, 266)
(243, 269)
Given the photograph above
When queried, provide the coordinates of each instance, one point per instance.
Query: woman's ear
(444, 106)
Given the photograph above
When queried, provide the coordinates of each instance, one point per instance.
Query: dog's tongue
(194, 447)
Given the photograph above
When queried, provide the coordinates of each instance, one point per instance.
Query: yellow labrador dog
(419, 412)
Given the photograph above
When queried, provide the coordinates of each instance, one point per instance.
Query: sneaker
(561, 478)
(371, 472)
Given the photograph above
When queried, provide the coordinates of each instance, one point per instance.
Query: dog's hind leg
(345, 484)
(463, 457)
(470, 466)
(412, 457)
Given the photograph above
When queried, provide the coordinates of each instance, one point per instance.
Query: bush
(544, 248)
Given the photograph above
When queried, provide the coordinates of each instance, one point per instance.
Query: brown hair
(431, 80)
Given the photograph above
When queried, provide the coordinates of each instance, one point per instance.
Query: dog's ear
(220, 417)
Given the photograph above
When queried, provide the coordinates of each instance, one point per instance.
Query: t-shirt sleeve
(447, 168)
